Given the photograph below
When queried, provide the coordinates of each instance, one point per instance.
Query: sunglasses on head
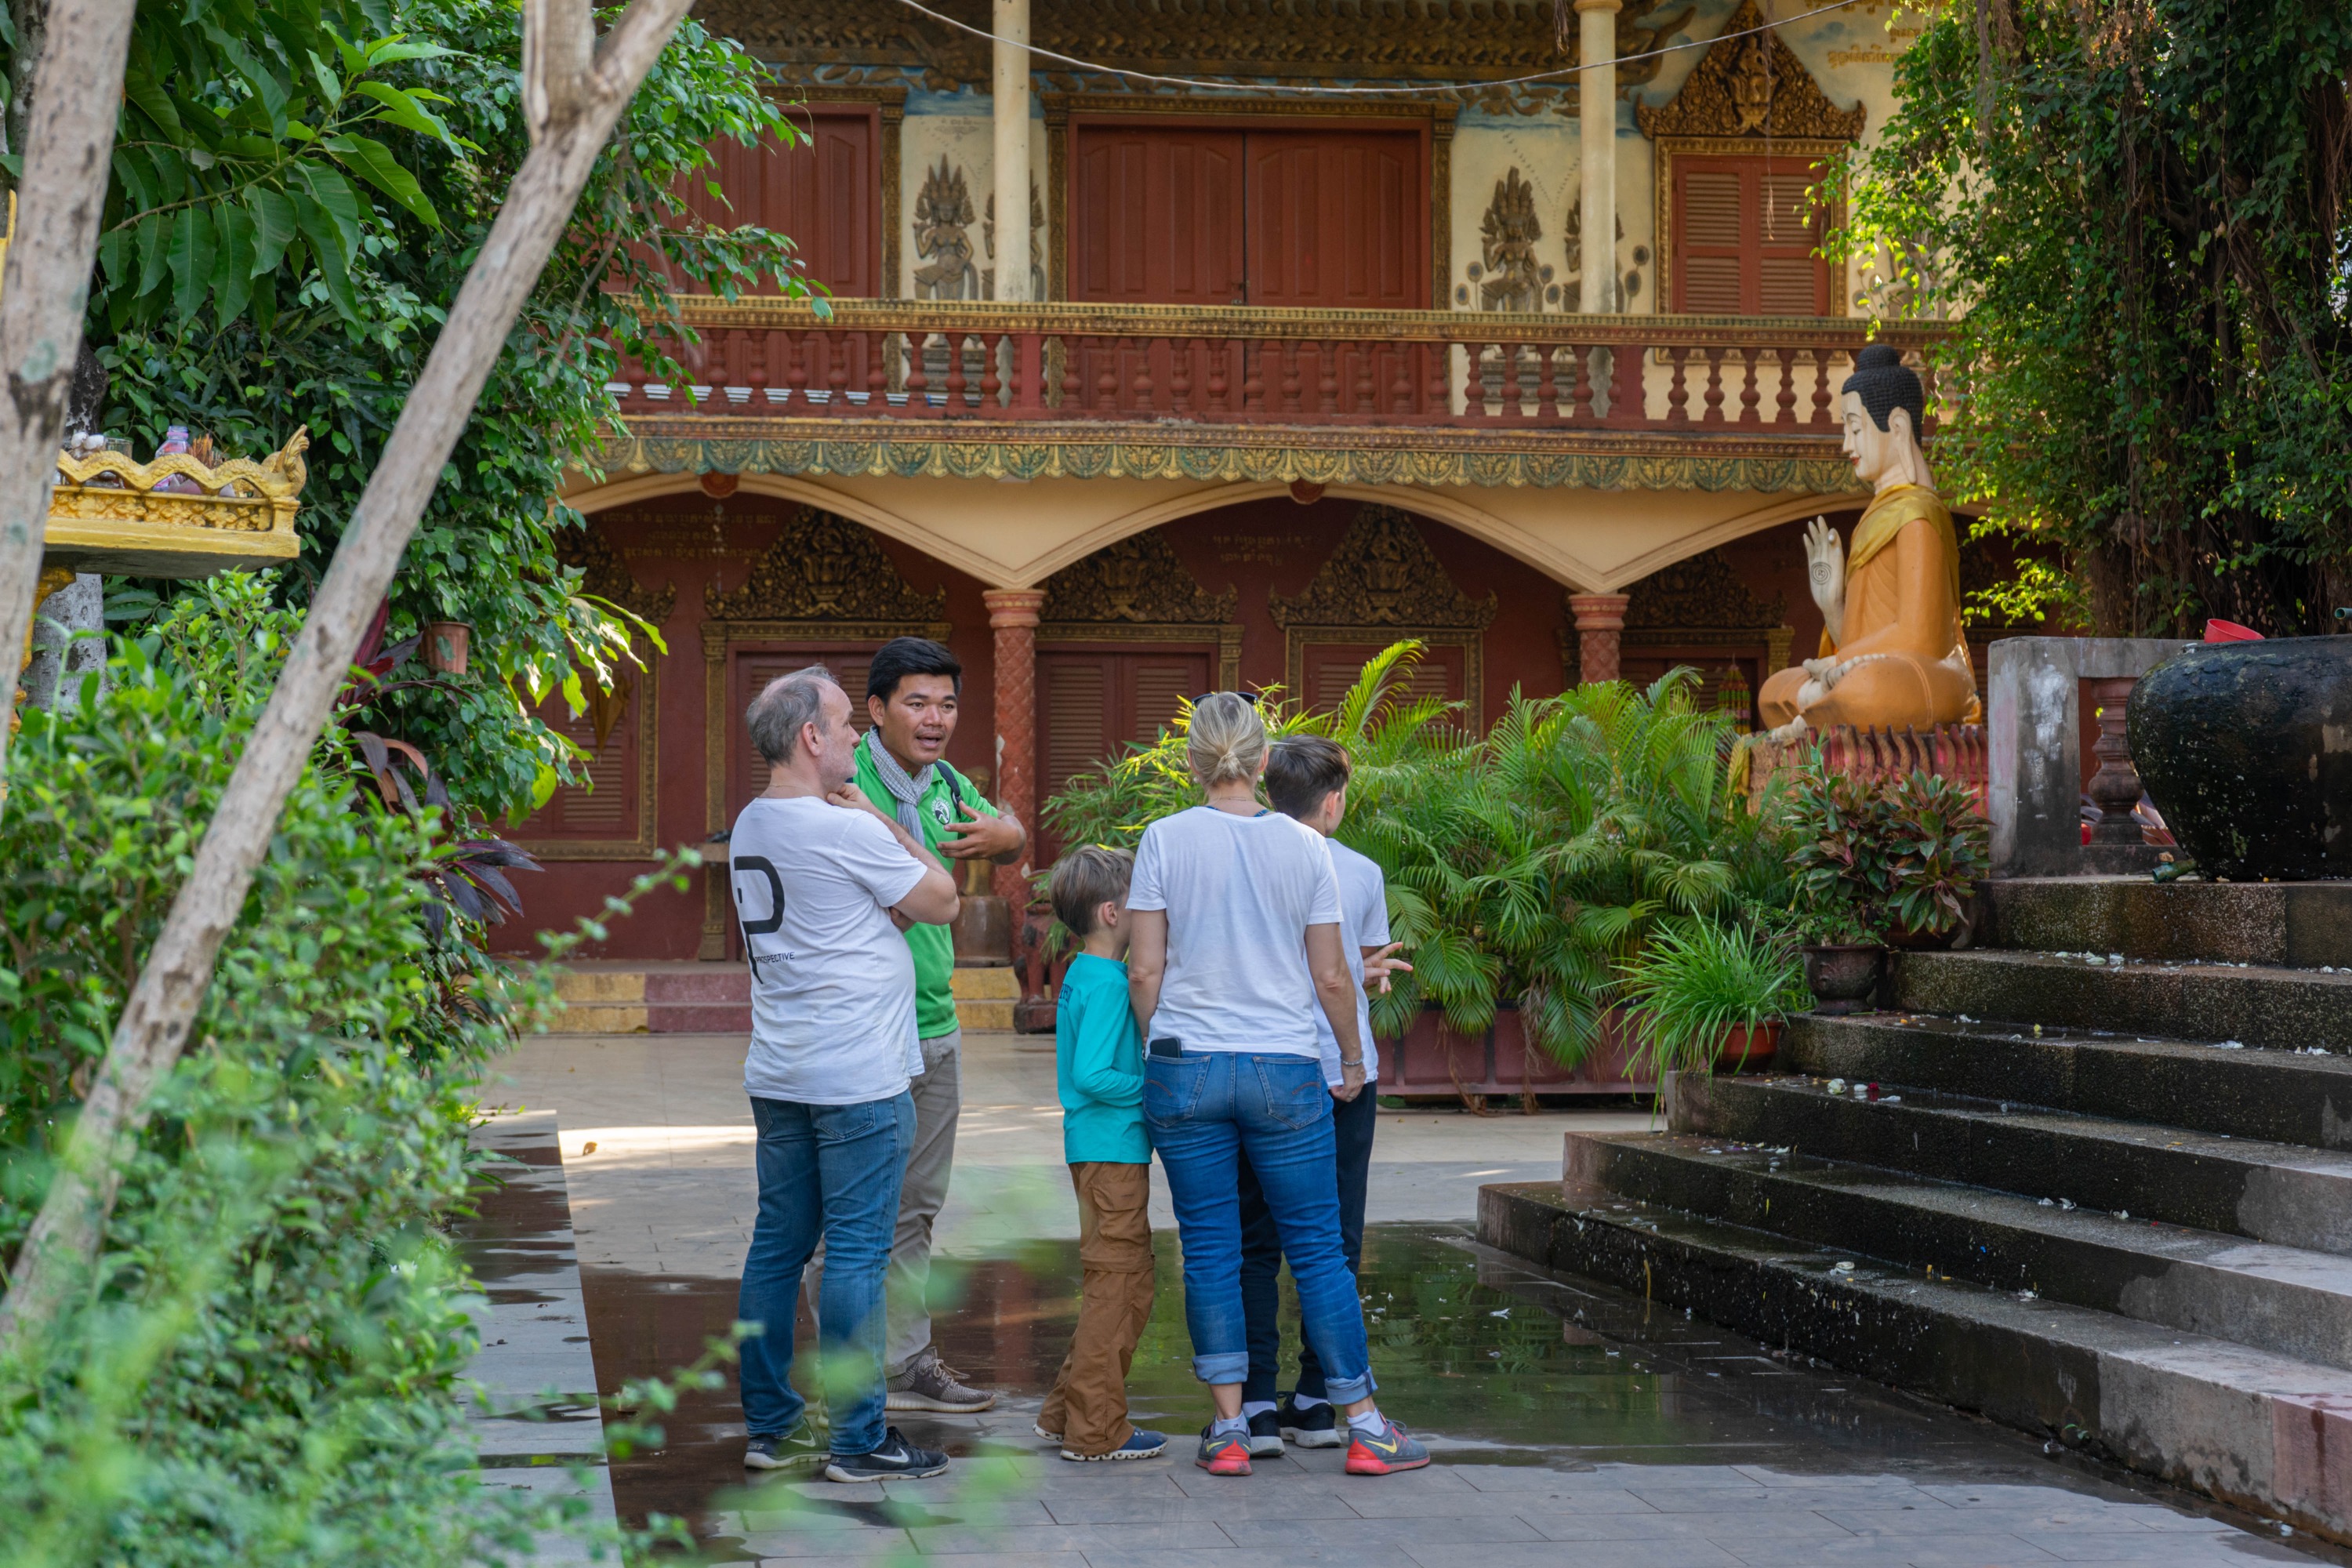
(1252, 698)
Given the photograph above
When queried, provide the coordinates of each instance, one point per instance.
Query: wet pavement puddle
(1552, 1407)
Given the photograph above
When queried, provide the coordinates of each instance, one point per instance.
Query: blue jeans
(832, 1171)
(1352, 1124)
(1206, 1107)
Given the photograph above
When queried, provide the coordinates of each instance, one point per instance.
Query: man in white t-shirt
(823, 885)
(1307, 779)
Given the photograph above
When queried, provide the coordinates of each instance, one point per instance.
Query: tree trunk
(69, 149)
(154, 1024)
(32, 22)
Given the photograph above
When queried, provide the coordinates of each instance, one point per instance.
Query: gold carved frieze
(1383, 574)
(1703, 592)
(606, 575)
(1750, 86)
(1137, 579)
(825, 568)
(1234, 454)
(1401, 40)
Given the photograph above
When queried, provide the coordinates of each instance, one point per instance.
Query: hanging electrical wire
(1418, 90)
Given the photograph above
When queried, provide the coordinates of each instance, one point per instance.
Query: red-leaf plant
(466, 874)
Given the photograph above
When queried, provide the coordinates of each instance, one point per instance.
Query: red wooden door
(1192, 215)
(1093, 703)
(1744, 235)
(823, 192)
(1335, 220)
(604, 811)
(1158, 215)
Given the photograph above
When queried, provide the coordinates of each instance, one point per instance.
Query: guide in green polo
(933, 946)
(912, 692)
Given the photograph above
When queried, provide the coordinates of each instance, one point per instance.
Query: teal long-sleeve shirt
(1099, 1066)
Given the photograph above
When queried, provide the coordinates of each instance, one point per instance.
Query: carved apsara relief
(943, 218)
(1135, 582)
(1382, 574)
(1510, 277)
(826, 568)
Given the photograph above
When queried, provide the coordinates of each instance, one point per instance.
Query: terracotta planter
(1433, 1060)
(1746, 1050)
(1843, 976)
(444, 646)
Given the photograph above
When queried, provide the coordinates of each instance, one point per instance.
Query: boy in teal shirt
(1098, 1073)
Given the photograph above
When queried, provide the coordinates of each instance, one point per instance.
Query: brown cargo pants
(1088, 1405)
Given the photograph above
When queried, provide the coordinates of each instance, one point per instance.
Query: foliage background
(2135, 212)
(269, 1367)
(298, 192)
(1528, 865)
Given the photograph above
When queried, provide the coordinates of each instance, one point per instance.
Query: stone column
(1597, 143)
(1013, 616)
(1012, 117)
(1600, 617)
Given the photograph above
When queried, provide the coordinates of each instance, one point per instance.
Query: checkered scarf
(906, 790)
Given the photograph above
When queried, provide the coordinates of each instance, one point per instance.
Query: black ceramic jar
(2246, 748)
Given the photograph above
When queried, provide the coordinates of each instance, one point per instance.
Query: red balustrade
(877, 360)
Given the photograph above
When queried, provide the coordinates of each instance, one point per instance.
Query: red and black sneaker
(1385, 1452)
(1226, 1453)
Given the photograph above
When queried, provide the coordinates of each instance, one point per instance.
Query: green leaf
(273, 225)
(190, 255)
(341, 201)
(330, 86)
(142, 92)
(399, 46)
(326, 241)
(232, 281)
(115, 254)
(373, 162)
(405, 108)
(153, 232)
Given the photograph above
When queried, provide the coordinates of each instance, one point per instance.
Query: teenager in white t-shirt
(823, 884)
(1237, 944)
(1307, 779)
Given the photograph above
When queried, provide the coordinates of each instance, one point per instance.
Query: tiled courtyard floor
(1572, 1423)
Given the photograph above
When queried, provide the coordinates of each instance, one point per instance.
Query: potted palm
(1708, 994)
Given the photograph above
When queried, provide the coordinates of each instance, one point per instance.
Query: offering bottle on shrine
(175, 441)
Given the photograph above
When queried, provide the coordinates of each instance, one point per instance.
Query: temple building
(1262, 380)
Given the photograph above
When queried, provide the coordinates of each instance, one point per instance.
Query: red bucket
(2230, 631)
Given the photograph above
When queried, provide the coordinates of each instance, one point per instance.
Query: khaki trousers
(938, 1101)
(1088, 1405)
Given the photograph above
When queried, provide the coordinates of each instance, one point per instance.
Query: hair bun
(1878, 356)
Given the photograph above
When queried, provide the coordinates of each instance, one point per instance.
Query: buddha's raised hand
(1825, 572)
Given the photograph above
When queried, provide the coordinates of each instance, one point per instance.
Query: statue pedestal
(1955, 751)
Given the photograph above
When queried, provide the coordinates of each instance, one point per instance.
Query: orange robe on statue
(1903, 659)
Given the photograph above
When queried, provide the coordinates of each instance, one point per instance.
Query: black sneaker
(769, 1451)
(1265, 1435)
(897, 1459)
(1317, 1427)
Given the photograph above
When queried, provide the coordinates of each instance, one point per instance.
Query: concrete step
(2293, 924)
(2267, 1433)
(2280, 1097)
(2288, 1009)
(2276, 1193)
(2290, 1300)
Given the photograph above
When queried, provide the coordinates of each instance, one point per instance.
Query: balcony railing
(955, 361)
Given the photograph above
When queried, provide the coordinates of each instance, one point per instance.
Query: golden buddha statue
(1892, 650)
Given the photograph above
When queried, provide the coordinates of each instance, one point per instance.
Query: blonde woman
(1234, 911)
